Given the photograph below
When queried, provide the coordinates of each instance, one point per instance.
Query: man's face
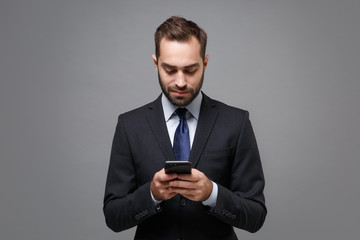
(180, 70)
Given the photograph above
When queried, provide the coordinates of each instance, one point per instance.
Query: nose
(180, 80)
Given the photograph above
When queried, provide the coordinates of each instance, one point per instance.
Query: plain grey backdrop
(69, 67)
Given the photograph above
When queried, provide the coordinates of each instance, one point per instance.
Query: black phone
(177, 167)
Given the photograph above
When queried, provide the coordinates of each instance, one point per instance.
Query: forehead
(180, 53)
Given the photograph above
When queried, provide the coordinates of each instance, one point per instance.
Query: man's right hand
(160, 186)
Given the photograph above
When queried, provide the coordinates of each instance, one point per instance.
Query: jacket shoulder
(140, 112)
(224, 108)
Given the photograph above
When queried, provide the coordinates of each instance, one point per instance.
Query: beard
(181, 101)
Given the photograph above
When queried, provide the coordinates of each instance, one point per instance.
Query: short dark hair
(180, 29)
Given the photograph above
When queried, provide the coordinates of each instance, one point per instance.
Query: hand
(195, 186)
(160, 185)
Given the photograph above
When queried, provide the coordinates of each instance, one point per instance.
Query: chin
(179, 101)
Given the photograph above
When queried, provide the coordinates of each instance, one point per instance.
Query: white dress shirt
(192, 117)
(172, 119)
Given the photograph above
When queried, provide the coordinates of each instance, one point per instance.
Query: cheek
(165, 79)
(194, 81)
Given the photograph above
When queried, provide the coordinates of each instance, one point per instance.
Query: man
(225, 187)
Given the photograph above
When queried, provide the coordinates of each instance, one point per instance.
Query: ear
(206, 61)
(155, 62)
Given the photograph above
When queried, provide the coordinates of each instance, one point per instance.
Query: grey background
(69, 67)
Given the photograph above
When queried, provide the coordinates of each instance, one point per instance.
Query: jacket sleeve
(242, 204)
(125, 203)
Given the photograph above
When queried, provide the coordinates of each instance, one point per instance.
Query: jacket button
(183, 202)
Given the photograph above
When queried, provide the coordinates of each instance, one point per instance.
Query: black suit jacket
(224, 149)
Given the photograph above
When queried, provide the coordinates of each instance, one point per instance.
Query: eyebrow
(166, 65)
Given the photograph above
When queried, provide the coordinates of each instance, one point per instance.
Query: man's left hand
(195, 186)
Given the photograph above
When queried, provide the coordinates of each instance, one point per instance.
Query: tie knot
(181, 112)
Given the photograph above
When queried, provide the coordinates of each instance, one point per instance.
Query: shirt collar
(193, 107)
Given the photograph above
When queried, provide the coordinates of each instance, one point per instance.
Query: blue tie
(181, 139)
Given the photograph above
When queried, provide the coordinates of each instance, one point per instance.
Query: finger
(195, 175)
(186, 177)
(161, 184)
(188, 193)
(189, 196)
(162, 176)
(192, 194)
(164, 194)
(167, 192)
(182, 184)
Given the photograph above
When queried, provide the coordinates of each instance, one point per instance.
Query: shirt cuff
(211, 201)
(156, 202)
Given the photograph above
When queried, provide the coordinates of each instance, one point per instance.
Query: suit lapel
(157, 124)
(207, 118)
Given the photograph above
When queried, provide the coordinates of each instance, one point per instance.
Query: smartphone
(177, 167)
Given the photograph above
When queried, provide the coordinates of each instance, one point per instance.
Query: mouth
(180, 93)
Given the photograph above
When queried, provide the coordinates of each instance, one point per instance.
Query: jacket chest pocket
(216, 165)
(219, 153)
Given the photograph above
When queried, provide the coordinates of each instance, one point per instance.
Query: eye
(170, 71)
(190, 71)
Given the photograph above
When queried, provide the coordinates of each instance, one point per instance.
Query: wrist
(212, 199)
